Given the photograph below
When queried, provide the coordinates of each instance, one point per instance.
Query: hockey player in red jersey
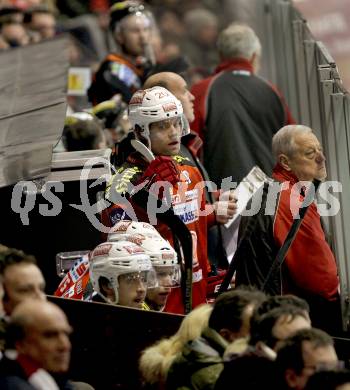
(157, 119)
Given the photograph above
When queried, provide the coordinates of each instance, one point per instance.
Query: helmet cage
(154, 105)
(110, 260)
(163, 257)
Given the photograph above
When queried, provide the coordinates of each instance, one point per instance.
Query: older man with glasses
(304, 353)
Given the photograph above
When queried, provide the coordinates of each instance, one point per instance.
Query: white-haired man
(309, 269)
(237, 112)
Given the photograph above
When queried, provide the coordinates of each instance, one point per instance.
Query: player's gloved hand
(162, 168)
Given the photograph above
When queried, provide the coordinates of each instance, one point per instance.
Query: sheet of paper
(246, 189)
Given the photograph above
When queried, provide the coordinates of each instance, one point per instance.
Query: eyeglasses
(339, 365)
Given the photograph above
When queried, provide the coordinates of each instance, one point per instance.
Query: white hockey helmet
(123, 228)
(162, 255)
(112, 259)
(154, 105)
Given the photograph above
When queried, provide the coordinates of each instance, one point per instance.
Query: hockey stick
(180, 230)
(142, 149)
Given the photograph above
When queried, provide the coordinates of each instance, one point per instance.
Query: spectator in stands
(21, 278)
(120, 273)
(329, 380)
(40, 332)
(83, 131)
(275, 301)
(248, 372)
(309, 270)
(302, 355)
(236, 112)
(268, 330)
(13, 34)
(156, 116)
(40, 20)
(123, 74)
(10, 13)
(156, 360)
(114, 116)
(200, 362)
(200, 44)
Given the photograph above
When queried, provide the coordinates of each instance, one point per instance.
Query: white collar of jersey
(242, 72)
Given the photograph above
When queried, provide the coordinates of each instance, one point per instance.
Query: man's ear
(227, 334)
(6, 302)
(107, 289)
(284, 162)
(255, 62)
(291, 378)
(119, 37)
(139, 135)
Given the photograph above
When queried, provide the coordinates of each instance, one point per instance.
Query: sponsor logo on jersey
(79, 269)
(181, 198)
(186, 210)
(118, 214)
(125, 74)
(197, 276)
(185, 176)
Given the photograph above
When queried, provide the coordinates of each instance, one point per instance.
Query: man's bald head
(177, 86)
(161, 79)
(31, 311)
(41, 333)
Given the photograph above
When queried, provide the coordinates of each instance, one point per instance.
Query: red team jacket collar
(28, 365)
(235, 64)
(281, 174)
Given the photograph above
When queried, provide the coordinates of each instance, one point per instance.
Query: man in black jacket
(236, 111)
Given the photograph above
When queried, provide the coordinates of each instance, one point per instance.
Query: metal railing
(308, 77)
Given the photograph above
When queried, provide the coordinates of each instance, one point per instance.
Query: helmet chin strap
(185, 125)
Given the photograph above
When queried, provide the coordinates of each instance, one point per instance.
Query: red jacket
(310, 266)
(201, 92)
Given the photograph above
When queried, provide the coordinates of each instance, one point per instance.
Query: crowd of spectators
(176, 95)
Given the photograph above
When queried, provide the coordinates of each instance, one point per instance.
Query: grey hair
(238, 40)
(283, 141)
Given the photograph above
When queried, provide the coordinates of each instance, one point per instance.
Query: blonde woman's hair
(156, 360)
